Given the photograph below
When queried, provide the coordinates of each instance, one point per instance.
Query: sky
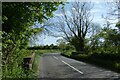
(97, 11)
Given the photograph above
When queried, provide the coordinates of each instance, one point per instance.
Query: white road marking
(55, 57)
(75, 61)
(73, 67)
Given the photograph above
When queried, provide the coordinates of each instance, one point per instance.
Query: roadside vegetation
(18, 21)
(92, 42)
(81, 38)
(102, 53)
(36, 63)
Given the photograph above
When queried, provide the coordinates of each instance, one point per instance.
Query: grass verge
(36, 63)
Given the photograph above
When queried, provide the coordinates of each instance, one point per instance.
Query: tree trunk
(79, 46)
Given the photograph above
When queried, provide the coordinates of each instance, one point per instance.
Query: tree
(110, 40)
(114, 9)
(75, 24)
(115, 13)
(18, 20)
(61, 44)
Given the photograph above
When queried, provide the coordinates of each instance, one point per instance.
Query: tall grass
(36, 63)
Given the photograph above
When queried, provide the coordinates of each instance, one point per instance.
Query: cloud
(98, 20)
(95, 10)
(58, 14)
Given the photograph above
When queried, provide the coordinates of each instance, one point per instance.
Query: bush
(13, 68)
(106, 56)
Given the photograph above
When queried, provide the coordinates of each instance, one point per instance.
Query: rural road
(53, 65)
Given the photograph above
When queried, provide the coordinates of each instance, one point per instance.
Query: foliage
(107, 41)
(118, 25)
(18, 20)
(25, 16)
(12, 68)
(43, 47)
(61, 46)
(105, 60)
(103, 49)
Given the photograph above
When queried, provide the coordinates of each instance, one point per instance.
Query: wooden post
(27, 62)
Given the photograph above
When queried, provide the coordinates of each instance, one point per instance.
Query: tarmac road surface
(54, 65)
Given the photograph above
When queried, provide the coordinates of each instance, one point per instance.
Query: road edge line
(73, 67)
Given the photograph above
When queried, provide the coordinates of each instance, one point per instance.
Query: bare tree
(75, 23)
(114, 13)
(114, 10)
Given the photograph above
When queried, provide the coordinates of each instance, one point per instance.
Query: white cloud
(58, 14)
(98, 20)
(95, 10)
(114, 21)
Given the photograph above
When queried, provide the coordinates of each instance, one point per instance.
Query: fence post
(28, 61)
